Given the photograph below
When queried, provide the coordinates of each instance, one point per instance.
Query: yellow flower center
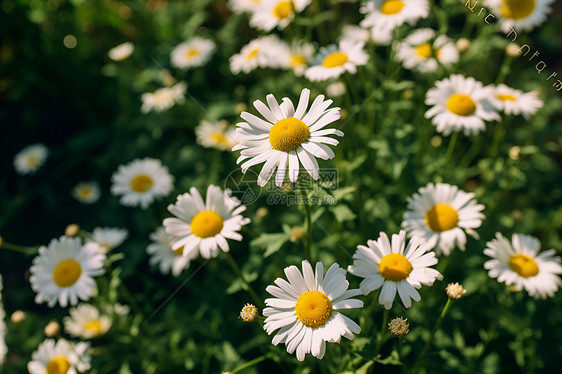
(523, 265)
(334, 60)
(288, 134)
(32, 160)
(506, 97)
(517, 9)
(85, 192)
(206, 223)
(94, 326)
(192, 52)
(67, 273)
(252, 54)
(442, 217)
(141, 183)
(218, 137)
(424, 50)
(58, 365)
(298, 60)
(395, 267)
(283, 9)
(392, 7)
(461, 104)
(313, 308)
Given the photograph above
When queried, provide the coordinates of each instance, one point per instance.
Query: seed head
(249, 313)
(455, 291)
(399, 327)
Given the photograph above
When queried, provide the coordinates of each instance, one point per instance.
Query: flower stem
(498, 134)
(382, 331)
(248, 364)
(452, 143)
(249, 288)
(307, 225)
(17, 248)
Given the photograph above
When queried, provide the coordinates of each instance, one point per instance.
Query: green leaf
(270, 242)
(343, 213)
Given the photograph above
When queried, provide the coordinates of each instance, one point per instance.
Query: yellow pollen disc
(334, 59)
(395, 267)
(67, 273)
(283, 9)
(523, 265)
(85, 192)
(141, 183)
(94, 326)
(506, 97)
(517, 9)
(461, 104)
(298, 60)
(192, 52)
(424, 50)
(206, 224)
(218, 137)
(32, 160)
(58, 365)
(252, 54)
(442, 217)
(288, 134)
(313, 308)
(392, 7)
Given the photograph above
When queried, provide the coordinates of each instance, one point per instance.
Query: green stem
(382, 332)
(248, 364)
(17, 248)
(238, 272)
(452, 143)
(498, 134)
(307, 225)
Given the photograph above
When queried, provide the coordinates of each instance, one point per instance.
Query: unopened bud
(514, 152)
(512, 50)
(436, 141)
(249, 313)
(297, 233)
(262, 212)
(399, 327)
(408, 94)
(52, 329)
(17, 317)
(72, 230)
(455, 291)
(463, 44)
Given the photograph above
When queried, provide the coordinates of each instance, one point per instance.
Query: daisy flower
(60, 357)
(30, 159)
(163, 98)
(3, 347)
(204, 226)
(441, 214)
(366, 35)
(287, 138)
(85, 321)
(87, 192)
(306, 309)
(520, 264)
(140, 182)
(333, 61)
(512, 101)
(240, 6)
(386, 15)
(460, 103)
(260, 52)
(423, 51)
(215, 135)
(276, 13)
(521, 15)
(164, 256)
(396, 267)
(64, 271)
(121, 52)
(109, 237)
(191, 53)
(296, 57)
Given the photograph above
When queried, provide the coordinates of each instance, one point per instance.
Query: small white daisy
(460, 103)
(512, 101)
(204, 226)
(296, 56)
(423, 51)
(30, 159)
(306, 309)
(85, 321)
(333, 61)
(287, 138)
(240, 6)
(193, 52)
(520, 264)
(87, 192)
(64, 271)
(261, 52)
(109, 237)
(164, 256)
(276, 13)
(215, 135)
(366, 35)
(441, 214)
(396, 267)
(163, 98)
(140, 182)
(121, 52)
(60, 357)
(522, 15)
(385, 15)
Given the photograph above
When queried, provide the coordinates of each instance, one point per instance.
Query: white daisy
(109, 237)
(395, 267)
(522, 15)
(87, 192)
(60, 357)
(460, 103)
(64, 271)
(260, 52)
(366, 35)
(287, 138)
(306, 309)
(276, 13)
(333, 61)
(30, 159)
(441, 214)
(193, 52)
(240, 6)
(296, 56)
(512, 101)
(423, 51)
(140, 182)
(204, 226)
(164, 256)
(121, 52)
(163, 98)
(519, 264)
(215, 135)
(385, 15)
(85, 321)
(3, 346)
